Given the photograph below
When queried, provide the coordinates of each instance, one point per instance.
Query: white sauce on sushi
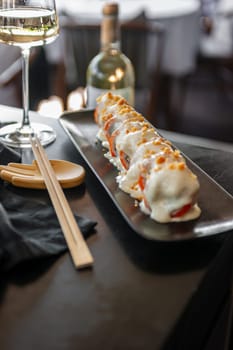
(150, 169)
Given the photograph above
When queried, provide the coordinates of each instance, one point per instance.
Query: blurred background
(183, 63)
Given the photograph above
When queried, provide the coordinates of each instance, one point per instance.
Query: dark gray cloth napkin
(29, 228)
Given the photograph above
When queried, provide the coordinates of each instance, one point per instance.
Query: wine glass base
(14, 135)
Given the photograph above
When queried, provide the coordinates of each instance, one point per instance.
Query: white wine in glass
(26, 24)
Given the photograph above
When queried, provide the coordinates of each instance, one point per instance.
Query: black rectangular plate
(216, 204)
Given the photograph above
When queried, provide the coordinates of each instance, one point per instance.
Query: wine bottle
(110, 69)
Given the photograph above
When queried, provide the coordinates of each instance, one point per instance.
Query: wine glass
(26, 24)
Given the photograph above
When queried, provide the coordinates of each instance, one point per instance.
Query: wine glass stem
(25, 84)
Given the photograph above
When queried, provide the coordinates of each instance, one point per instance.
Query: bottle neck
(110, 33)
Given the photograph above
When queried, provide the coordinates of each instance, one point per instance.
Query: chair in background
(216, 51)
(11, 77)
(140, 41)
(143, 44)
(214, 58)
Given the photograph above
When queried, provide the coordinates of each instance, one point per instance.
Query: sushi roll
(150, 169)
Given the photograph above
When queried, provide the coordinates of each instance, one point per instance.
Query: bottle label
(93, 93)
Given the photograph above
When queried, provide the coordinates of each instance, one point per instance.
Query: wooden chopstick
(78, 248)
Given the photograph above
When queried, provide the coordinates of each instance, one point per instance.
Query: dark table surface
(136, 291)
